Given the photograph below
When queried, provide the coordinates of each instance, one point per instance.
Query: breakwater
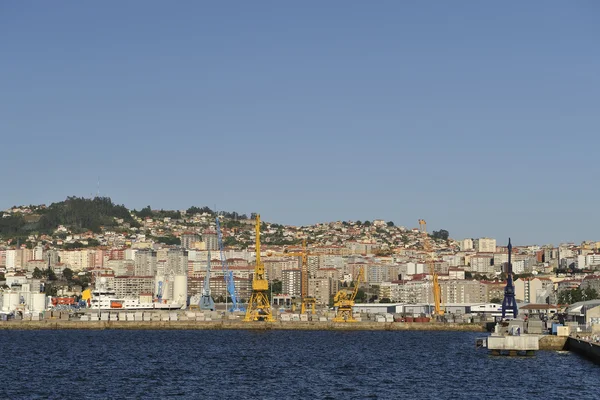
(240, 325)
(586, 348)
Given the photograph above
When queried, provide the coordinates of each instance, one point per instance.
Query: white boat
(104, 298)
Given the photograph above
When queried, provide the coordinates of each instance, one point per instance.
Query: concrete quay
(239, 325)
(586, 348)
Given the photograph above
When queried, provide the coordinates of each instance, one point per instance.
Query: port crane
(206, 301)
(306, 300)
(437, 292)
(228, 275)
(344, 302)
(259, 307)
(509, 304)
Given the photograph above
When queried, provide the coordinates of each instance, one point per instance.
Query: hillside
(75, 213)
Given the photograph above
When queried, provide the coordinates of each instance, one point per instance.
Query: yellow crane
(259, 307)
(344, 302)
(437, 292)
(307, 302)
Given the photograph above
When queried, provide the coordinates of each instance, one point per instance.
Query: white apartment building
(466, 244)
(291, 282)
(592, 259)
(482, 264)
(485, 245)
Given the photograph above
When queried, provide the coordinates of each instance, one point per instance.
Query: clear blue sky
(481, 118)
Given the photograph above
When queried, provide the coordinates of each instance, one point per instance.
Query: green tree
(390, 224)
(385, 300)
(570, 296)
(169, 240)
(67, 273)
(37, 273)
(468, 275)
(277, 286)
(441, 234)
(367, 223)
(361, 296)
(496, 300)
(590, 294)
(144, 212)
(49, 274)
(50, 290)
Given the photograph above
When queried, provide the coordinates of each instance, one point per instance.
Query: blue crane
(206, 301)
(159, 293)
(228, 275)
(509, 303)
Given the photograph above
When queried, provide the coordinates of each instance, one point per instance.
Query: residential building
(211, 240)
(145, 263)
(292, 282)
(484, 245)
(320, 289)
(188, 239)
(533, 290)
(466, 244)
(462, 292)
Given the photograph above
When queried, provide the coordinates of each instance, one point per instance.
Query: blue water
(279, 365)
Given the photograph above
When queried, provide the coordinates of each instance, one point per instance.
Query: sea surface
(280, 365)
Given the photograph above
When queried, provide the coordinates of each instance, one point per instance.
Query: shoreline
(239, 325)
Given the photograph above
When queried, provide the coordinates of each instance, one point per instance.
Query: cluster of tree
(78, 245)
(441, 234)
(45, 273)
(575, 295)
(12, 225)
(147, 212)
(276, 287)
(366, 223)
(77, 213)
(197, 210)
(168, 240)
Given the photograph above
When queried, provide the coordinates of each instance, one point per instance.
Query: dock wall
(584, 348)
(553, 342)
(238, 325)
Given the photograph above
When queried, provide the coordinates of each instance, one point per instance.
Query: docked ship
(104, 298)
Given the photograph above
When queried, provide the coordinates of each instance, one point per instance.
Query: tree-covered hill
(76, 213)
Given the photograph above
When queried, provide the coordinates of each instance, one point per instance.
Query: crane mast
(437, 292)
(228, 275)
(206, 301)
(259, 307)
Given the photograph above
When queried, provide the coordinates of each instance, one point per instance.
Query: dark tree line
(441, 234)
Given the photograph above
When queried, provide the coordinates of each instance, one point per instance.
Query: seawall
(553, 342)
(585, 348)
(239, 325)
